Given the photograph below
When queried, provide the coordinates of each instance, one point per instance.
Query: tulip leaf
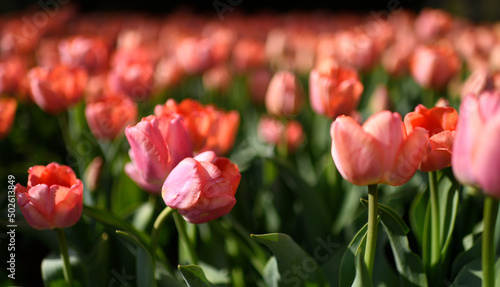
(165, 278)
(418, 213)
(52, 271)
(144, 263)
(363, 278)
(448, 208)
(294, 264)
(271, 273)
(471, 274)
(194, 276)
(348, 264)
(390, 212)
(408, 264)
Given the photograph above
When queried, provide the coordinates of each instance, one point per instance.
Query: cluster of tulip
(206, 89)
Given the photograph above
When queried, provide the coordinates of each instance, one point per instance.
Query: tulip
(479, 81)
(108, 116)
(248, 54)
(440, 123)
(357, 49)
(432, 24)
(434, 66)
(476, 157)
(275, 132)
(258, 81)
(194, 54)
(284, 96)
(86, 52)
(380, 151)
(157, 145)
(217, 78)
(8, 108)
(12, 73)
(380, 99)
(56, 89)
(202, 188)
(52, 198)
(334, 90)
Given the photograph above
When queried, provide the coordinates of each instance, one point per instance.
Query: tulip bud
(284, 96)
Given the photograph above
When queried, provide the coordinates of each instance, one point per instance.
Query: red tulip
(334, 90)
(53, 197)
(380, 151)
(85, 52)
(476, 156)
(440, 123)
(7, 113)
(285, 96)
(56, 89)
(157, 145)
(108, 116)
(202, 188)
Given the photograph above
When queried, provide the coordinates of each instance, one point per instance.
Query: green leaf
(294, 264)
(448, 215)
(194, 276)
(271, 273)
(418, 211)
(389, 212)
(363, 278)
(144, 263)
(468, 255)
(408, 264)
(348, 264)
(165, 278)
(52, 271)
(97, 261)
(143, 215)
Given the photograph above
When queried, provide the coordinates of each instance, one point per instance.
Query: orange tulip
(334, 90)
(7, 113)
(53, 197)
(56, 89)
(380, 151)
(440, 123)
(285, 96)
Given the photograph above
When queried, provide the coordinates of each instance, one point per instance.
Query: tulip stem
(371, 239)
(435, 227)
(156, 231)
(184, 238)
(63, 248)
(488, 244)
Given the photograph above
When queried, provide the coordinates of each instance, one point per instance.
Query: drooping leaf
(144, 263)
(194, 276)
(347, 266)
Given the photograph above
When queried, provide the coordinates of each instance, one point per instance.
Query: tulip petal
(357, 155)
(37, 206)
(218, 207)
(409, 156)
(176, 139)
(68, 208)
(136, 176)
(183, 186)
(438, 154)
(486, 162)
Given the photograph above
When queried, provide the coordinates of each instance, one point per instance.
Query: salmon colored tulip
(56, 89)
(157, 145)
(248, 54)
(194, 54)
(274, 131)
(357, 49)
(440, 123)
(209, 128)
(434, 66)
(479, 81)
(12, 73)
(86, 52)
(431, 24)
(476, 156)
(334, 90)
(285, 96)
(380, 151)
(108, 116)
(53, 197)
(8, 108)
(217, 78)
(202, 188)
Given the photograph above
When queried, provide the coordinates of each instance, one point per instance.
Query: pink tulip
(476, 156)
(157, 145)
(284, 96)
(53, 197)
(86, 52)
(202, 188)
(380, 151)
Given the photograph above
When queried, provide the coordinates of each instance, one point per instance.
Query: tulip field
(232, 149)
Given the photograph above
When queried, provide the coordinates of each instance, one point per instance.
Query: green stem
(488, 244)
(371, 239)
(435, 227)
(184, 238)
(63, 248)
(156, 231)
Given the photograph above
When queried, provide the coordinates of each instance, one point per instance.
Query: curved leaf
(194, 276)
(347, 266)
(144, 263)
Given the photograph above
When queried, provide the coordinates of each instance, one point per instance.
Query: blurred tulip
(209, 128)
(357, 49)
(202, 188)
(476, 156)
(56, 89)
(168, 72)
(258, 81)
(108, 116)
(248, 54)
(334, 90)
(380, 99)
(8, 108)
(53, 197)
(157, 145)
(380, 151)
(479, 81)
(12, 72)
(434, 66)
(395, 58)
(85, 52)
(47, 53)
(273, 131)
(285, 96)
(432, 24)
(93, 173)
(217, 78)
(194, 55)
(440, 123)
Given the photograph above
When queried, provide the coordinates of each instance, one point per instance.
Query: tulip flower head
(276, 132)
(8, 108)
(52, 198)
(476, 156)
(380, 151)
(202, 188)
(284, 96)
(440, 123)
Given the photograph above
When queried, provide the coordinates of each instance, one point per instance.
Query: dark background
(481, 10)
